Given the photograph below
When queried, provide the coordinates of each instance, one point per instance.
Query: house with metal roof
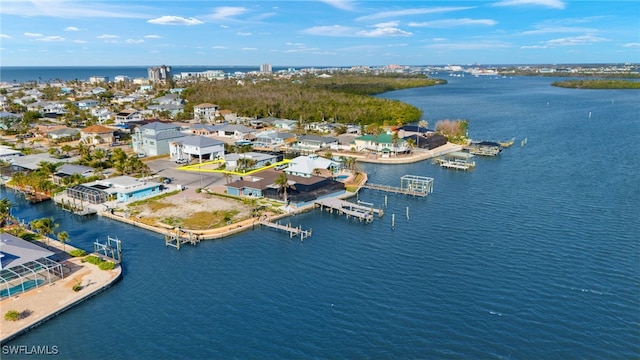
(154, 138)
(314, 142)
(310, 165)
(68, 170)
(205, 112)
(25, 265)
(383, 144)
(196, 147)
(126, 188)
(272, 139)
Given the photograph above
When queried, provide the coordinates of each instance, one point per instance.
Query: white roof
(15, 251)
(306, 164)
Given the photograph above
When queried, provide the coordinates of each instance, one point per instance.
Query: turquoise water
(532, 255)
(25, 286)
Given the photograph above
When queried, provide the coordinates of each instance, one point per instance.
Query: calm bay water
(534, 254)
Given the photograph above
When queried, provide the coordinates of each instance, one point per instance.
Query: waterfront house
(97, 134)
(205, 112)
(310, 165)
(25, 265)
(68, 170)
(154, 138)
(127, 188)
(302, 189)
(383, 144)
(196, 147)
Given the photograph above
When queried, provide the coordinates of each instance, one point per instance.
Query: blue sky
(317, 33)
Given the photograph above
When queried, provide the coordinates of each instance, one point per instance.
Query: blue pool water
(342, 177)
(29, 284)
(532, 255)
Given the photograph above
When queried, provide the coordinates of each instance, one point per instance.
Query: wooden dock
(394, 189)
(293, 231)
(358, 211)
(179, 237)
(457, 164)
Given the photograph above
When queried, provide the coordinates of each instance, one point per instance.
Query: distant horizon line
(310, 66)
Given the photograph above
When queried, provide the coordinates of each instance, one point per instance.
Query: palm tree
(5, 211)
(47, 168)
(411, 144)
(63, 237)
(66, 148)
(283, 185)
(44, 227)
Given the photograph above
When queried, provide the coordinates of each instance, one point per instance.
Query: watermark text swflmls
(30, 350)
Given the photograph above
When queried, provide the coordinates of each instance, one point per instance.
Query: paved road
(168, 168)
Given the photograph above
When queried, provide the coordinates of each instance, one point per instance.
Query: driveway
(192, 180)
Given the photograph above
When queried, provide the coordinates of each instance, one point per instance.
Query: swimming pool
(342, 177)
(18, 288)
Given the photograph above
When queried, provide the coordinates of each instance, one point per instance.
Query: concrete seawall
(50, 300)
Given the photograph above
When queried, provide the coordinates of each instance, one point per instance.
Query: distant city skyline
(317, 33)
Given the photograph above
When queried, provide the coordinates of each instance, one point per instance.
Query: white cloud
(557, 29)
(632, 45)
(174, 20)
(383, 31)
(332, 30)
(576, 41)
(132, 41)
(225, 12)
(244, 34)
(219, 47)
(33, 35)
(224, 26)
(107, 36)
(71, 28)
(409, 12)
(5, 36)
(79, 41)
(51, 38)
(249, 49)
(534, 47)
(71, 9)
(555, 4)
(152, 36)
(340, 4)
(448, 23)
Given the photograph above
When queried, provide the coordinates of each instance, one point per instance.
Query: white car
(182, 161)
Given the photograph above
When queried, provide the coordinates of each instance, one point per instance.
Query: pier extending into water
(409, 185)
(293, 231)
(179, 237)
(361, 211)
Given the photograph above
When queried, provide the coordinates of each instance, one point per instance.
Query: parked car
(182, 161)
(141, 155)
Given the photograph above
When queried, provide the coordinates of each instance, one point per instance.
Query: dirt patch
(201, 213)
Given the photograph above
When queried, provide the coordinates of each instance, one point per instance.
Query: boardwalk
(293, 231)
(395, 189)
(361, 212)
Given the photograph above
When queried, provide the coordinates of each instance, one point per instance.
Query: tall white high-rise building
(159, 73)
(265, 68)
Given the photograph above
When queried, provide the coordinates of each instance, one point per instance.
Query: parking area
(168, 168)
